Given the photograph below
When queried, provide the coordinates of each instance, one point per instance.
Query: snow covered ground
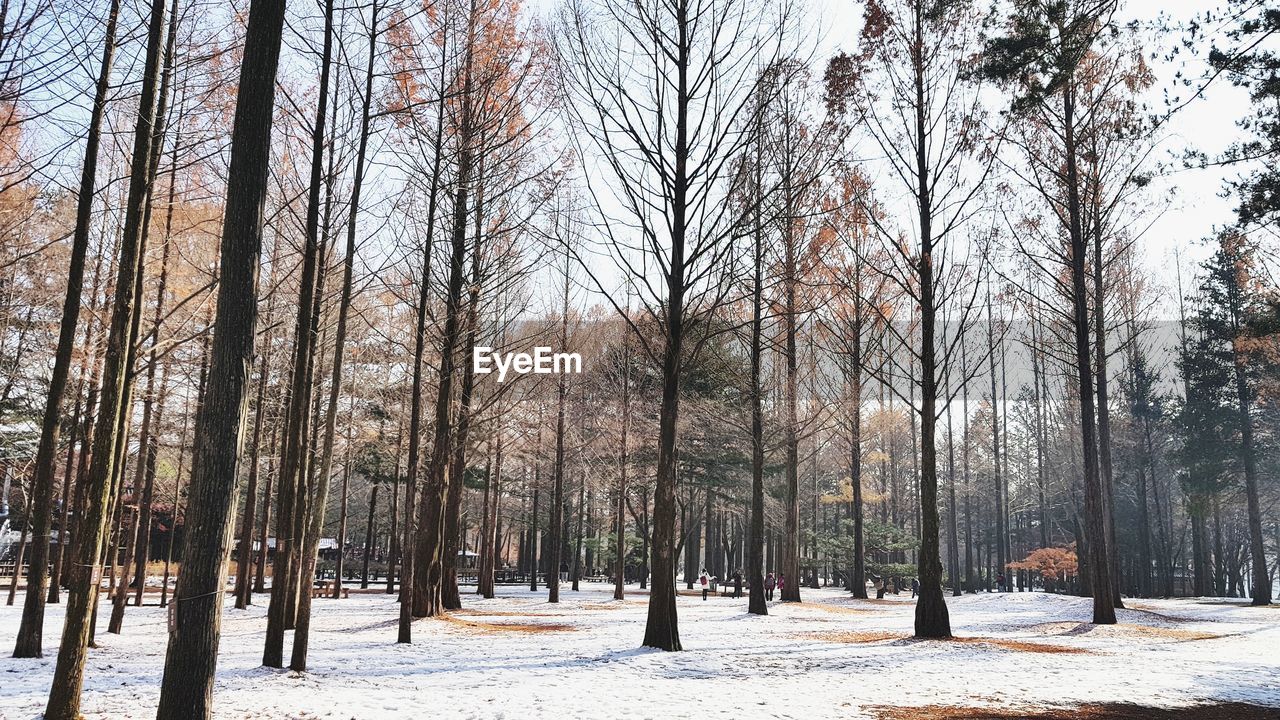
(519, 657)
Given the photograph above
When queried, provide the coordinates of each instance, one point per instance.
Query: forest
(885, 358)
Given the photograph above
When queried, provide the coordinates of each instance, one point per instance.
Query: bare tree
(909, 91)
(661, 93)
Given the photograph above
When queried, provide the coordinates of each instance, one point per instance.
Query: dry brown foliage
(1091, 711)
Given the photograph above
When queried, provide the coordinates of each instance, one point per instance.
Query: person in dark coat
(770, 582)
(915, 586)
(737, 583)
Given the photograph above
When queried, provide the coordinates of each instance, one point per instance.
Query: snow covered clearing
(832, 656)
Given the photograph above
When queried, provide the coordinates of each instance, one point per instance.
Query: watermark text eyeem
(543, 361)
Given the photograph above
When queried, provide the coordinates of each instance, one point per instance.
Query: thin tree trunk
(64, 697)
(620, 518)
(286, 574)
(931, 617)
(1094, 500)
(29, 642)
(756, 604)
(427, 595)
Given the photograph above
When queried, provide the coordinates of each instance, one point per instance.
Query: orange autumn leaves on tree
(1053, 563)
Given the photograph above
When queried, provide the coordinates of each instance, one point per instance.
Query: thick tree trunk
(450, 597)
(187, 688)
(408, 544)
(311, 507)
(144, 478)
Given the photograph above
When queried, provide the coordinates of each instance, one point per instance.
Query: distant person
(737, 583)
(878, 583)
(705, 581)
(915, 586)
(782, 583)
(1000, 582)
(770, 582)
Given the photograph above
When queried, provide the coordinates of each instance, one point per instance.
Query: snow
(517, 656)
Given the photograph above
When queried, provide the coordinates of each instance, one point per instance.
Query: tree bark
(187, 687)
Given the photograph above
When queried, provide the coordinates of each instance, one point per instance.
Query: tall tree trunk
(450, 597)
(1261, 585)
(1094, 498)
(286, 573)
(953, 509)
(577, 545)
(791, 531)
(244, 562)
(64, 697)
(1001, 560)
(393, 537)
(533, 537)
(756, 603)
(1104, 403)
(368, 536)
(489, 530)
(556, 538)
(620, 517)
(29, 642)
(186, 690)
(932, 620)
(310, 507)
(408, 545)
(260, 572)
(144, 478)
(428, 581)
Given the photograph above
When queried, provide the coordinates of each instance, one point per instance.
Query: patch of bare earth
(613, 605)
(506, 627)
(827, 607)
(1124, 630)
(998, 643)
(851, 636)
(497, 613)
(1091, 711)
(1020, 645)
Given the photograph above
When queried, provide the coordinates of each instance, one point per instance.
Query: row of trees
(879, 313)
